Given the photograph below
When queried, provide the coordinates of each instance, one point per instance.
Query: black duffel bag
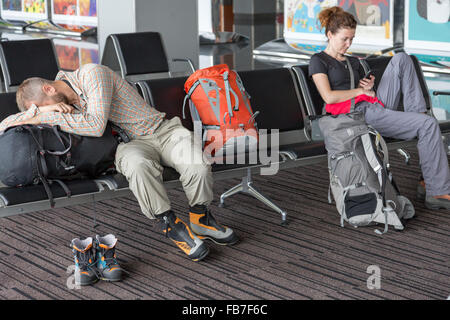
(33, 154)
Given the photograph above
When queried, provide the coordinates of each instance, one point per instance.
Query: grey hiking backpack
(360, 181)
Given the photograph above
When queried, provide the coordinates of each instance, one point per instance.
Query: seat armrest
(188, 61)
(113, 181)
(288, 155)
(441, 93)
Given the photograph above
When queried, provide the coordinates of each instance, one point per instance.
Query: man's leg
(139, 162)
(182, 152)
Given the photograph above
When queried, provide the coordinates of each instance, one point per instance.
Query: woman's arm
(335, 96)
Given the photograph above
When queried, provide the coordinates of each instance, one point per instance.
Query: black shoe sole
(201, 257)
(434, 207)
(86, 283)
(233, 239)
(110, 280)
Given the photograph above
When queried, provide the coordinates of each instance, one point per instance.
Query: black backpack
(32, 154)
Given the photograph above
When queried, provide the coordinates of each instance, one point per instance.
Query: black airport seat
(276, 95)
(14, 200)
(137, 55)
(273, 93)
(8, 105)
(23, 59)
(285, 97)
(19, 195)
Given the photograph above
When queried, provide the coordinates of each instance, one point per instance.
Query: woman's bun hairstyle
(335, 18)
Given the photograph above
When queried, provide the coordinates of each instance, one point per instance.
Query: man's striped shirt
(104, 96)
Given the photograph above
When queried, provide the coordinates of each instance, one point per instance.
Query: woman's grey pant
(400, 77)
(141, 161)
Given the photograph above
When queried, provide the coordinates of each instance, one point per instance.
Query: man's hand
(59, 107)
(367, 84)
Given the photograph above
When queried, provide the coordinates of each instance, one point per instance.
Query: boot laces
(83, 260)
(167, 225)
(109, 256)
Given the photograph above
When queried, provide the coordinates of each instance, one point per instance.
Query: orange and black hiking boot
(179, 232)
(205, 226)
(85, 271)
(107, 265)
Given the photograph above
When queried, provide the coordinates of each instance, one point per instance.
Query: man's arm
(98, 84)
(33, 114)
(17, 118)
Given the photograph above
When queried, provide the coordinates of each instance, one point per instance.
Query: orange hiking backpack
(218, 99)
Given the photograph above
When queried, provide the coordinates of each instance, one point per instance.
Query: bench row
(285, 97)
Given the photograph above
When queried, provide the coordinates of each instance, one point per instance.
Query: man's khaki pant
(141, 161)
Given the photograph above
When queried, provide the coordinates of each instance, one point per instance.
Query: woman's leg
(400, 77)
(407, 126)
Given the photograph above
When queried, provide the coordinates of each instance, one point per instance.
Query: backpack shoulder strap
(352, 81)
(364, 64)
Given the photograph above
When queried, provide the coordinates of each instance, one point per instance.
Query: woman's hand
(59, 107)
(367, 84)
(369, 92)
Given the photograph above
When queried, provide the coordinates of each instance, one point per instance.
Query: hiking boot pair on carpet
(95, 259)
(202, 225)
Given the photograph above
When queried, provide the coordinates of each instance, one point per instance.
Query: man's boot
(205, 226)
(179, 232)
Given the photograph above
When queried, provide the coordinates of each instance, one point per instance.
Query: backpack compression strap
(41, 164)
(228, 90)
(380, 168)
(243, 92)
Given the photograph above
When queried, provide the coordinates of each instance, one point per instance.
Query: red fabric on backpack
(344, 107)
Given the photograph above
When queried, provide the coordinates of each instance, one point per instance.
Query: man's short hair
(30, 89)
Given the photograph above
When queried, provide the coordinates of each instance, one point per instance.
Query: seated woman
(330, 73)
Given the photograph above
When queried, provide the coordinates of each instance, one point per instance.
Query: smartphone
(368, 74)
